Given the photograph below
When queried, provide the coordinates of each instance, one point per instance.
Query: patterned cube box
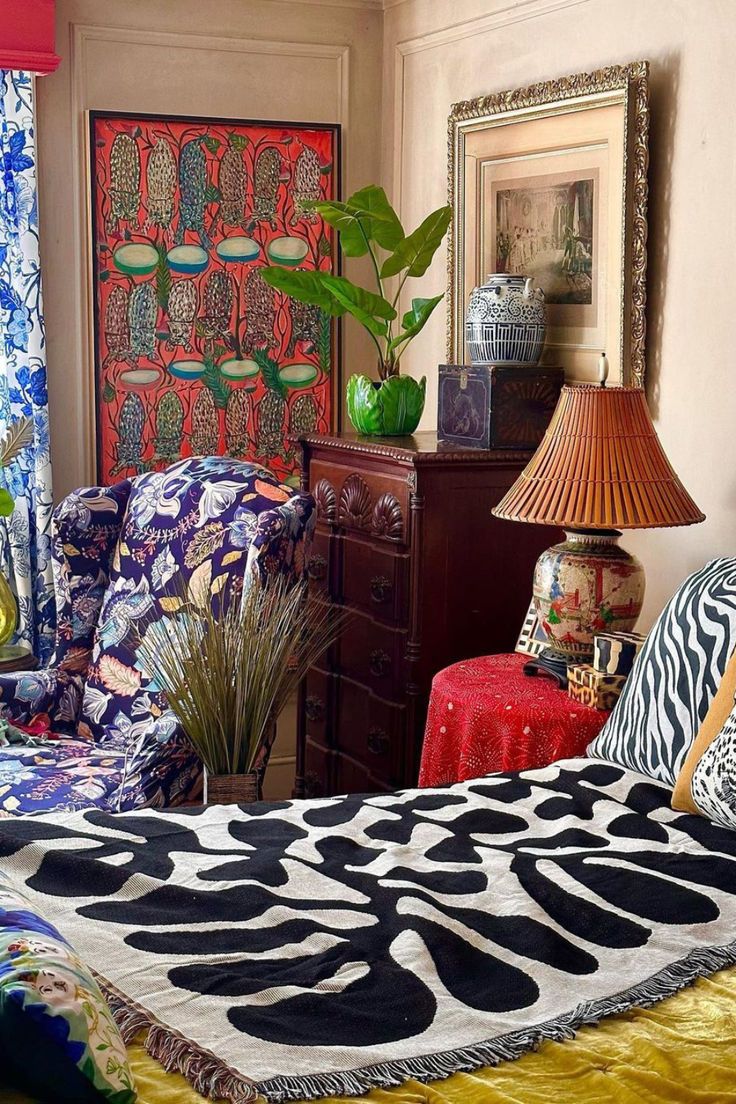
(594, 688)
(491, 406)
(614, 653)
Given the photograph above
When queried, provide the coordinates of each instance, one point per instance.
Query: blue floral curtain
(24, 536)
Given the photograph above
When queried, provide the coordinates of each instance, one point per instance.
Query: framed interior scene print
(550, 181)
(194, 353)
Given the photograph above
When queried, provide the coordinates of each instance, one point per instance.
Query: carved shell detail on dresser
(387, 519)
(355, 503)
(326, 500)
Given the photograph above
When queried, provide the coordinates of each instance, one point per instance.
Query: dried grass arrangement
(228, 667)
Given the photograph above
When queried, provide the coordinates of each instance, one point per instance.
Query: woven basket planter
(232, 789)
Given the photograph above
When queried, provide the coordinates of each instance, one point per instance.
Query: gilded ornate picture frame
(551, 181)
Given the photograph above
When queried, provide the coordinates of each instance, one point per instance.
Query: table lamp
(600, 468)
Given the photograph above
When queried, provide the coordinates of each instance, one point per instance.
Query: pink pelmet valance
(27, 36)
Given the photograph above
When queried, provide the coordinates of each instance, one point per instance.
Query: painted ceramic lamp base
(583, 586)
(391, 408)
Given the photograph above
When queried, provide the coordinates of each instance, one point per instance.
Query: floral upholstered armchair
(92, 729)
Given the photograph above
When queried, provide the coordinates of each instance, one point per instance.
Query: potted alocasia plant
(368, 225)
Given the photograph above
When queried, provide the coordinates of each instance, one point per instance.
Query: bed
(681, 1051)
(624, 902)
(439, 945)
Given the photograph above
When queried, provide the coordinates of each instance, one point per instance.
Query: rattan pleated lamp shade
(600, 466)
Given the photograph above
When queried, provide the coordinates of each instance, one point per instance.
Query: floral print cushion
(58, 1040)
(186, 530)
(33, 697)
(66, 775)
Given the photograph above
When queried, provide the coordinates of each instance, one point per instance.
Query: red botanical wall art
(194, 353)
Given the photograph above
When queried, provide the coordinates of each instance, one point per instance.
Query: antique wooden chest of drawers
(405, 537)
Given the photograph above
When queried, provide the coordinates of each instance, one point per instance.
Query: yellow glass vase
(8, 611)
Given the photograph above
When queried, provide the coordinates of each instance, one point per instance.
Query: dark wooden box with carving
(493, 406)
(405, 537)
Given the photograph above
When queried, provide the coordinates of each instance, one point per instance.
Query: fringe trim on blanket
(212, 1077)
(206, 1073)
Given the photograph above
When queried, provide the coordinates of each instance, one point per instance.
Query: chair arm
(283, 537)
(161, 768)
(52, 695)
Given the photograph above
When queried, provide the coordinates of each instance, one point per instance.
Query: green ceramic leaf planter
(388, 409)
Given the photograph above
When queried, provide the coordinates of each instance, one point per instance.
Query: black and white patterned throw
(311, 948)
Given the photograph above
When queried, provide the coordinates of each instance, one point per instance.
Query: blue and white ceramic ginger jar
(506, 321)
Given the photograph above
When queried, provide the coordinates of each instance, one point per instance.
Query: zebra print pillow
(675, 677)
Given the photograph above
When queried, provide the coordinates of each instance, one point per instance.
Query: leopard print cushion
(713, 785)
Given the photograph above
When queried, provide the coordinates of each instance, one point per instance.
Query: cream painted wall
(439, 51)
(226, 58)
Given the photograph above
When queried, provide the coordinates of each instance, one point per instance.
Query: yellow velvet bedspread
(681, 1051)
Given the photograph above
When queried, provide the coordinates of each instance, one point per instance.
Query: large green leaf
(353, 237)
(333, 294)
(414, 320)
(416, 252)
(364, 407)
(6, 503)
(402, 399)
(366, 216)
(378, 216)
(372, 311)
(306, 287)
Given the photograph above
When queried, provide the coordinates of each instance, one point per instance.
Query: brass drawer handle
(314, 708)
(377, 741)
(380, 589)
(317, 568)
(379, 663)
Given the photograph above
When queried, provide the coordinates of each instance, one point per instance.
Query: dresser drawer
(375, 503)
(375, 579)
(373, 654)
(370, 730)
